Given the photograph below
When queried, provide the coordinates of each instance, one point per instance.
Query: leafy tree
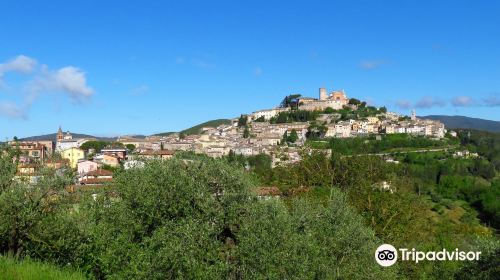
(242, 121)
(130, 147)
(246, 132)
(289, 100)
(260, 119)
(8, 165)
(329, 110)
(97, 145)
(354, 101)
(284, 139)
(316, 131)
(293, 136)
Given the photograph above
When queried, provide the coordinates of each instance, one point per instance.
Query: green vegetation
(316, 131)
(195, 217)
(242, 120)
(295, 116)
(290, 101)
(197, 128)
(387, 143)
(246, 132)
(260, 119)
(11, 269)
(165, 133)
(98, 145)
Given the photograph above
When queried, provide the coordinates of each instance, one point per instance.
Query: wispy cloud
(403, 104)
(202, 63)
(462, 101)
(429, 102)
(20, 64)
(492, 100)
(12, 111)
(70, 81)
(198, 62)
(257, 71)
(180, 60)
(371, 64)
(140, 90)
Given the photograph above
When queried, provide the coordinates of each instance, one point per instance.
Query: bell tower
(60, 135)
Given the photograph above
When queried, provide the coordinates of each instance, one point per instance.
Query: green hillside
(197, 128)
(11, 269)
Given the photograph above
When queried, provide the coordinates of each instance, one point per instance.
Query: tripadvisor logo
(387, 255)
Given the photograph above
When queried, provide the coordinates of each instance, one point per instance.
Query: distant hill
(466, 122)
(197, 128)
(53, 137)
(164, 133)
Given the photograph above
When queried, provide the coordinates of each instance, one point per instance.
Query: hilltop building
(337, 99)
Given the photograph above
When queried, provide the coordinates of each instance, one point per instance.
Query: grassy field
(10, 269)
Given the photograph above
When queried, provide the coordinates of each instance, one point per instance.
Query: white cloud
(69, 80)
(20, 64)
(12, 111)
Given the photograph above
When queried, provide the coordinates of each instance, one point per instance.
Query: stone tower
(323, 95)
(60, 135)
(413, 115)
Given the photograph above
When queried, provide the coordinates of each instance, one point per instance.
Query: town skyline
(128, 73)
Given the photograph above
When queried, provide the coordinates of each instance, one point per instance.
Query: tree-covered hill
(466, 122)
(197, 128)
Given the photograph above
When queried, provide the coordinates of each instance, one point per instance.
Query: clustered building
(262, 137)
(265, 137)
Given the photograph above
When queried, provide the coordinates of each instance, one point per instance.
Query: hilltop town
(283, 129)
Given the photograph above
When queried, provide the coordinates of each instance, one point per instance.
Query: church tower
(413, 115)
(60, 135)
(323, 95)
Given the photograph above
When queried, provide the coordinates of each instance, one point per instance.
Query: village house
(110, 160)
(120, 153)
(97, 177)
(161, 154)
(85, 166)
(73, 155)
(32, 149)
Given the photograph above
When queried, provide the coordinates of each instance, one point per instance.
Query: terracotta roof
(96, 181)
(100, 172)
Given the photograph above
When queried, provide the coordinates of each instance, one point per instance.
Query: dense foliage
(295, 116)
(194, 217)
(188, 220)
(386, 143)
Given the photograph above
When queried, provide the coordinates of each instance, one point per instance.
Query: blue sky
(142, 67)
